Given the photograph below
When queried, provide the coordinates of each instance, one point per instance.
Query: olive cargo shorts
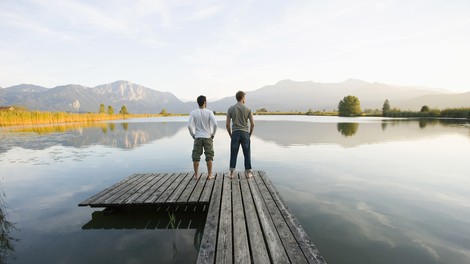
(199, 145)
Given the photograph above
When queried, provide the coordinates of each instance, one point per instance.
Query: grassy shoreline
(27, 117)
(14, 117)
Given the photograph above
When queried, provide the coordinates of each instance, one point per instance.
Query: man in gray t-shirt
(240, 132)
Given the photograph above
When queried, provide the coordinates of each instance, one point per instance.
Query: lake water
(366, 190)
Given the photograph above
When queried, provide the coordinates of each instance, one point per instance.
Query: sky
(216, 48)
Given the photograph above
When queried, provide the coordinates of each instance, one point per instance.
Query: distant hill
(77, 98)
(286, 95)
(440, 101)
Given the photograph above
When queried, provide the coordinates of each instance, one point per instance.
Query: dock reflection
(151, 217)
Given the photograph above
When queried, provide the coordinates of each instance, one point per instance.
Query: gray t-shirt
(240, 114)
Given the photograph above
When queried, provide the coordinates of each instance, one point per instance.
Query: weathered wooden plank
(274, 244)
(152, 187)
(308, 248)
(134, 189)
(287, 238)
(206, 193)
(224, 241)
(257, 244)
(209, 238)
(189, 189)
(142, 194)
(121, 196)
(171, 188)
(156, 194)
(112, 195)
(108, 190)
(198, 189)
(178, 191)
(241, 251)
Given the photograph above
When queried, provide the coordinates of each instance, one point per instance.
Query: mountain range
(286, 95)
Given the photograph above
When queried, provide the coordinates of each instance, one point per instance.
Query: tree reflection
(347, 129)
(6, 240)
(426, 122)
(384, 126)
(125, 126)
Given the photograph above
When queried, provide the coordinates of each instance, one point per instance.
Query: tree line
(351, 106)
(110, 110)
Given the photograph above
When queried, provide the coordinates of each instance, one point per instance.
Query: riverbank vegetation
(430, 113)
(22, 116)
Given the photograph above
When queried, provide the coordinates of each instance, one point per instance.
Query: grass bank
(25, 117)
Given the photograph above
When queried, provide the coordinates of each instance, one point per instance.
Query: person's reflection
(6, 240)
(347, 129)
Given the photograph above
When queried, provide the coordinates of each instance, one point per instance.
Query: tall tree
(349, 106)
(425, 108)
(386, 107)
(123, 110)
(110, 110)
(102, 109)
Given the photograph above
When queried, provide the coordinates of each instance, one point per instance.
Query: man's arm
(252, 123)
(214, 124)
(227, 125)
(191, 126)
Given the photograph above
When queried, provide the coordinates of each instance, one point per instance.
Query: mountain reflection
(116, 135)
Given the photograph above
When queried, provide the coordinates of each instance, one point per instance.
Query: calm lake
(366, 190)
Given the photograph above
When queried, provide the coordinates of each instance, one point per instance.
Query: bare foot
(249, 174)
(196, 176)
(232, 174)
(210, 177)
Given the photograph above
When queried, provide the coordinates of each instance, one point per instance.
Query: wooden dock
(247, 220)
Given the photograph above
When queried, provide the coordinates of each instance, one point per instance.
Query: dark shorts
(201, 144)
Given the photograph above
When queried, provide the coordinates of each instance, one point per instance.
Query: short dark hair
(240, 95)
(201, 100)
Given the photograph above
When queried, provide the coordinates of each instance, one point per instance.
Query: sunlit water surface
(366, 190)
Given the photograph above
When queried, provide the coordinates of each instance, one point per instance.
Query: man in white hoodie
(201, 121)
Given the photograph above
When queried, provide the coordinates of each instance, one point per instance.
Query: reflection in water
(431, 122)
(125, 126)
(287, 133)
(347, 129)
(124, 136)
(6, 227)
(284, 133)
(384, 125)
(56, 128)
(383, 198)
(150, 217)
